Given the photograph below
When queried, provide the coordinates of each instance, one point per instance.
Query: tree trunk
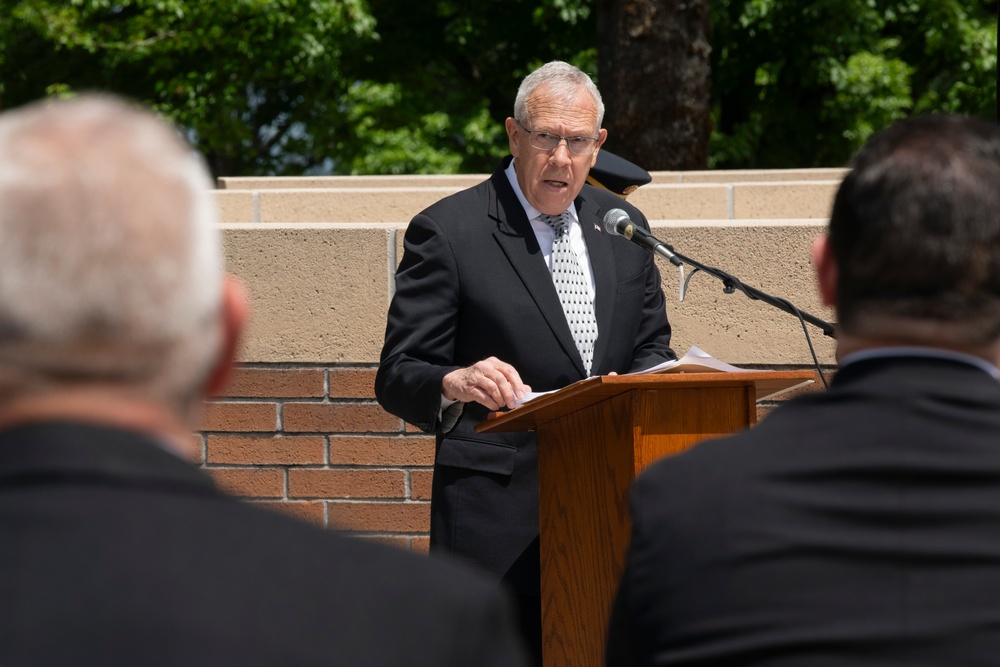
(655, 78)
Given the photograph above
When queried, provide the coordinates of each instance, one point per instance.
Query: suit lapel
(602, 261)
(517, 240)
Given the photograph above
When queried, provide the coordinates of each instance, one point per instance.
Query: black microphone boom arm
(617, 223)
(731, 284)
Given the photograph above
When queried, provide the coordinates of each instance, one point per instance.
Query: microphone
(617, 223)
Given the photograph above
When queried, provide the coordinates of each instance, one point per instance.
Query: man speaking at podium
(857, 526)
(506, 286)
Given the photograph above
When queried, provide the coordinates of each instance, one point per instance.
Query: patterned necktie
(571, 286)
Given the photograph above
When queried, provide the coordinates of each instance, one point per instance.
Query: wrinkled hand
(490, 382)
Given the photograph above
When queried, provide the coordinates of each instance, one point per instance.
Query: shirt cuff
(450, 411)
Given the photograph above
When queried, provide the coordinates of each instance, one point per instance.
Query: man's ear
(602, 136)
(234, 314)
(512, 131)
(826, 270)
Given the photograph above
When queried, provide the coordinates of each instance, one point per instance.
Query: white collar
(530, 210)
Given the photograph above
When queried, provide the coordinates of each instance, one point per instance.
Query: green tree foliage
(444, 77)
(799, 84)
(256, 83)
(395, 86)
(298, 86)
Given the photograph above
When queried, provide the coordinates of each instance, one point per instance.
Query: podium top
(585, 393)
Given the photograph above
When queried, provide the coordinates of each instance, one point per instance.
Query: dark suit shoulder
(479, 200)
(477, 196)
(395, 600)
(259, 587)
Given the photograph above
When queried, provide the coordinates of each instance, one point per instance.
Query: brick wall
(311, 441)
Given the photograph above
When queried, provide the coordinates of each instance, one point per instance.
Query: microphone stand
(731, 284)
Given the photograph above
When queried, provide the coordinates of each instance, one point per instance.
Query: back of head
(915, 232)
(110, 266)
(561, 80)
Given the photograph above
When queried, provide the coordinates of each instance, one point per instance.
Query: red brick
(311, 512)
(421, 545)
(420, 484)
(267, 450)
(381, 451)
(338, 418)
(276, 383)
(410, 428)
(397, 541)
(346, 483)
(382, 517)
(249, 482)
(352, 383)
(418, 544)
(240, 417)
(196, 451)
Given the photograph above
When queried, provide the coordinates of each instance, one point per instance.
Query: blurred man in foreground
(856, 526)
(115, 322)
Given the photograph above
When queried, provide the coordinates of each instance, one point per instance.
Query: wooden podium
(594, 437)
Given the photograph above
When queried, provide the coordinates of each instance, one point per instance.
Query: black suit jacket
(472, 284)
(116, 552)
(860, 526)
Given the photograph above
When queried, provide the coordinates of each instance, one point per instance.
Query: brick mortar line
(316, 466)
(356, 533)
(380, 501)
(349, 400)
(244, 399)
(326, 499)
(247, 466)
(307, 434)
(307, 400)
(391, 261)
(307, 365)
(296, 466)
(258, 499)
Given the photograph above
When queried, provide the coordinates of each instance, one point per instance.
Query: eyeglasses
(545, 141)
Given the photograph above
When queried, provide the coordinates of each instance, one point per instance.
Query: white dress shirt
(546, 235)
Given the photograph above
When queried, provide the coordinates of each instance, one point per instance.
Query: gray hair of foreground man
(110, 266)
(562, 80)
(915, 232)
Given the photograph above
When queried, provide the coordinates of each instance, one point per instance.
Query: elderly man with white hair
(115, 322)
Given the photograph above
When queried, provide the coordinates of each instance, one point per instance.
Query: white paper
(696, 359)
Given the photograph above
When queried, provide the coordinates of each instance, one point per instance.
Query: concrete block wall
(299, 430)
